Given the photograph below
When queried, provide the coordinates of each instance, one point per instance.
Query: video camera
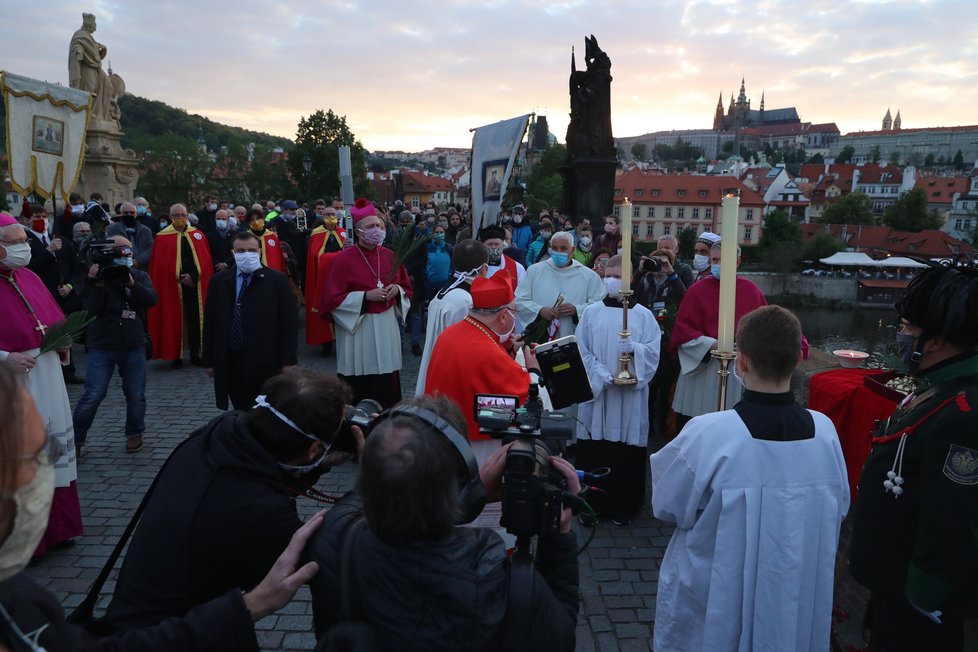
(362, 415)
(531, 501)
(104, 252)
(651, 265)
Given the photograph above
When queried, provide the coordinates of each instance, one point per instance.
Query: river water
(863, 329)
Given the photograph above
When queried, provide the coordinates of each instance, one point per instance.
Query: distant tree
(176, 171)
(442, 161)
(822, 245)
(895, 157)
(816, 158)
(780, 228)
(845, 156)
(319, 138)
(687, 241)
(640, 151)
(959, 160)
(854, 208)
(544, 185)
(267, 177)
(929, 161)
(914, 159)
(620, 153)
(909, 213)
(874, 154)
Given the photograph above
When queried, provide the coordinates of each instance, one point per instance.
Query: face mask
(546, 234)
(77, 209)
(180, 223)
(506, 244)
(288, 217)
(221, 224)
(503, 337)
(613, 286)
(372, 237)
(585, 242)
(32, 503)
(212, 207)
(164, 224)
(247, 261)
(330, 222)
(140, 210)
(560, 260)
(125, 261)
(82, 239)
(39, 224)
(18, 255)
(517, 219)
(495, 255)
(129, 221)
(610, 228)
(258, 226)
(701, 262)
(905, 342)
(439, 237)
(715, 271)
(443, 225)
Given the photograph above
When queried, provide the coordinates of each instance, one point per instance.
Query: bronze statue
(589, 131)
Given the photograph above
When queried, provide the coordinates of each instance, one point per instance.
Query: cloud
(412, 75)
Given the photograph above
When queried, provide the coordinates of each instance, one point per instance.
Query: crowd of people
(751, 563)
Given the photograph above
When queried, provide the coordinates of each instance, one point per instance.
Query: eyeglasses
(52, 450)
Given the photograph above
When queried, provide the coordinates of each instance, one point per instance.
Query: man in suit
(251, 326)
(135, 232)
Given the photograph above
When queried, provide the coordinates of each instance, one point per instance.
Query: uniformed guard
(915, 531)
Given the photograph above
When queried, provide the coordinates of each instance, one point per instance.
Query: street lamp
(307, 169)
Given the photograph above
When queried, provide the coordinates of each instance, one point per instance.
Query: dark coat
(444, 595)
(221, 246)
(107, 302)
(55, 269)
(220, 515)
(270, 322)
(222, 624)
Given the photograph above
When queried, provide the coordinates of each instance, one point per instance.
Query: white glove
(609, 379)
(625, 346)
(933, 616)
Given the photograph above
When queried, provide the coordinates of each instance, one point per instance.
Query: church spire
(742, 98)
(762, 100)
(887, 120)
(898, 122)
(718, 114)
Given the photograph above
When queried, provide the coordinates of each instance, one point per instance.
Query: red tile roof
(422, 183)
(873, 173)
(916, 130)
(669, 187)
(941, 190)
(882, 240)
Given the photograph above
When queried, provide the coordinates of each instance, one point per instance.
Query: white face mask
(221, 224)
(33, 503)
(701, 262)
(212, 207)
(613, 285)
(503, 337)
(77, 209)
(247, 261)
(18, 255)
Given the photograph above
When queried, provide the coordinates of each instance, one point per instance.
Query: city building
(913, 146)
(739, 114)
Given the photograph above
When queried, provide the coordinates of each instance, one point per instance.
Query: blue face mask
(124, 262)
(560, 260)
(715, 271)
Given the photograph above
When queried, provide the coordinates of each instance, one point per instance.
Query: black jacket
(110, 304)
(220, 515)
(221, 246)
(444, 595)
(55, 269)
(222, 624)
(269, 319)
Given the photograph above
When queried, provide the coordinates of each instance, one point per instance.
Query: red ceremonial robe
(21, 331)
(468, 360)
(271, 252)
(319, 326)
(166, 317)
(356, 271)
(699, 311)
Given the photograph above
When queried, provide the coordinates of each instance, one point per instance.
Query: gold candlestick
(724, 357)
(624, 375)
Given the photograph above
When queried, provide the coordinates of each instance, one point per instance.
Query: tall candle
(625, 228)
(728, 272)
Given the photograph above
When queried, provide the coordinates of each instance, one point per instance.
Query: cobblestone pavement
(619, 571)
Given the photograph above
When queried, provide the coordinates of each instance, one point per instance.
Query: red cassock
(699, 311)
(468, 360)
(166, 317)
(271, 252)
(319, 326)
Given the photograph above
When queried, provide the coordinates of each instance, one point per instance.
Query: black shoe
(176, 364)
(75, 380)
(416, 349)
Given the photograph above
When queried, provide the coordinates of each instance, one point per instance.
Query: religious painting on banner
(494, 149)
(492, 172)
(46, 127)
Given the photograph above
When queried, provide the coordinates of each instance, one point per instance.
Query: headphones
(471, 492)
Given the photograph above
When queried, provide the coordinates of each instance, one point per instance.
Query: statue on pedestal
(85, 72)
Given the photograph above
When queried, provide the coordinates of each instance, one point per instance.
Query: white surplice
(751, 563)
(698, 386)
(544, 281)
(442, 313)
(368, 344)
(618, 412)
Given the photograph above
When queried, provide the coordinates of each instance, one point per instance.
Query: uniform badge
(198, 236)
(271, 242)
(961, 465)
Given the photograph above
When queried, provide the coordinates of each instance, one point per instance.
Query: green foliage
(845, 156)
(687, 241)
(958, 160)
(822, 245)
(640, 151)
(319, 137)
(895, 157)
(816, 158)
(545, 185)
(929, 161)
(267, 177)
(175, 171)
(780, 229)
(874, 154)
(854, 208)
(682, 155)
(909, 213)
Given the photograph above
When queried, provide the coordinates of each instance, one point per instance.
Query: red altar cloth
(853, 408)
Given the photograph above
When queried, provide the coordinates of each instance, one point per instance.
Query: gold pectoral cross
(41, 328)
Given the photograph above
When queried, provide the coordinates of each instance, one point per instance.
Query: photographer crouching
(117, 296)
(415, 578)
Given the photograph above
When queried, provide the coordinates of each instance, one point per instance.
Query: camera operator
(657, 285)
(117, 296)
(423, 583)
(224, 504)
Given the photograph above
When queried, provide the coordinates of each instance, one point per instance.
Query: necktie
(237, 333)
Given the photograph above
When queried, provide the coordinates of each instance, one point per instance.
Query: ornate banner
(494, 149)
(46, 127)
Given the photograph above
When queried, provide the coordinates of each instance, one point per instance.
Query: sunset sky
(418, 74)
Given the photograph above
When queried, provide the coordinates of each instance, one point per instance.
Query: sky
(416, 74)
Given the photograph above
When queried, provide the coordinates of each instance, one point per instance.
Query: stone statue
(589, 131)
(85, 72)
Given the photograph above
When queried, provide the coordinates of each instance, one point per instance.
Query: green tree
(874, 154)
(544, 185)
(854, 208)
(816, 158)
(687, 241)
(822, 245)
(845, 156)
(267, 176)
(929, 161)
(895, 157)
(640, 151)
(175, 171)
(780, 228)
(958, 160)
(909, 213)
(319, 138)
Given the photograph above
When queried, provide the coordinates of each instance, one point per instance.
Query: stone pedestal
(108, 168)
(589, 188)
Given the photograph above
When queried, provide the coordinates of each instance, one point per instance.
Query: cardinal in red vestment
(325, 242)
